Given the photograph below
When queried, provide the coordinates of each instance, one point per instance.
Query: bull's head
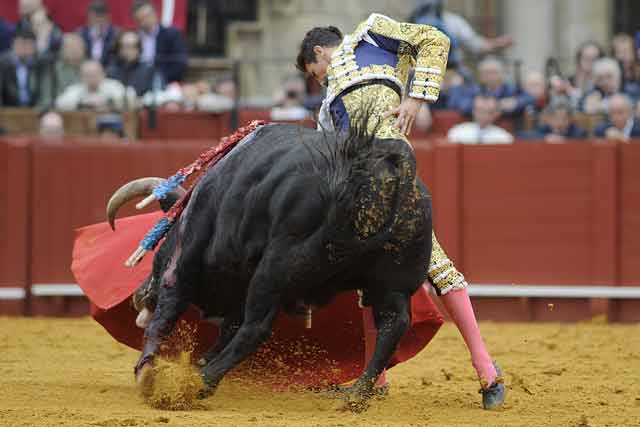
(144, 299)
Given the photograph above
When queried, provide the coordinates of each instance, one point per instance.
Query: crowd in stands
(108, 70)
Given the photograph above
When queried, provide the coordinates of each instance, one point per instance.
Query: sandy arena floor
(65, 372)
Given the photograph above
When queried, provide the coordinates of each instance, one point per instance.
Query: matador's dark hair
(318, 36)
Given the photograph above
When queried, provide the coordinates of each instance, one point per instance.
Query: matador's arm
(428, 45)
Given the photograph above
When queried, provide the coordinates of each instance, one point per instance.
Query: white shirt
(111, 91)
(149, 45)
(628, 128)
(471, 133)
(97, 45)
(22, 76)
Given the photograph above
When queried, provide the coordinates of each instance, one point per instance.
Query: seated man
(558, 124)
(65, 71)
(51, 127)
(492, 82)
(99, 34)
(621, 125)
(21, 72)
(127, 67)
(289, 100)
(608, 82)
(162, 46)
(95, 92)
(482, 129)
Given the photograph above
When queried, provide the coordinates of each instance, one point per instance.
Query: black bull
(290, 218)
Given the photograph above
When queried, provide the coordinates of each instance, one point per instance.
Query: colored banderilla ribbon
(204, 162)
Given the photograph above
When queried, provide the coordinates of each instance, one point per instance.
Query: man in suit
(99, 34)
(21, 72)
(621, 125)
(164, 47)
(492, 81)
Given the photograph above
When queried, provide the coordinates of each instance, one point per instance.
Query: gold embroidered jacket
(383, 49)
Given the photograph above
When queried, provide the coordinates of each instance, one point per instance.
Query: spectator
(212, 100)
(99, 34)
(492, 82)
(460, 33)
(51, 127)
(621, 125)
(534, 85)
(623, 49)
(6, 35)
(26, 8)
(608, 82)
(453, 80)
(65, 71)
(127, 67)
(21, 72)
(110, 128)
(226, 86)
(95, 92)
(162, 46)
(482, 130)
(582, 81)
(559, 124)
(48, 35)
(289, 102)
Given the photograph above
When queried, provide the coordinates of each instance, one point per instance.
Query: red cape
(331, 352)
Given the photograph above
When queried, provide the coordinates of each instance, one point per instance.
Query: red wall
(71, 18)
(526, 213)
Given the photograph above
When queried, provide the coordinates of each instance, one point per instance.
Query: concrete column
(578, 21)
(530, 23)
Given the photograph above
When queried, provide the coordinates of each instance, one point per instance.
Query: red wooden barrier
(172, 126)
(629, 237)
(180, 125)
(14, 223)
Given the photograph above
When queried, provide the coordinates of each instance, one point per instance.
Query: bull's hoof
(206, 392)
(209, 386)
(493, 396)
(145, 378)
(144, 361)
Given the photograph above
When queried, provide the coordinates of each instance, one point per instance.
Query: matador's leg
(452, 289)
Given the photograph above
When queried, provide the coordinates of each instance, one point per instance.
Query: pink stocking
(459, 307)
(370, 334)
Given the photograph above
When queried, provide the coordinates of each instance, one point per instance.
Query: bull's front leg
(262, 306)
(173, 301)
(392, 318)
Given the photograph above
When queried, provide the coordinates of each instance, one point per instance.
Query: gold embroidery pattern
(421, 45)
(431, 49)
(380, 99)
(443, 275)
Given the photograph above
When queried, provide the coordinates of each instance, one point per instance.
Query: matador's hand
(406, 113)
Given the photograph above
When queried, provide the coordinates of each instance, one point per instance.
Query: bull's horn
(142, 187)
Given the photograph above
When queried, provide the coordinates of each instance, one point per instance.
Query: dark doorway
(207, 22)
(626, 16)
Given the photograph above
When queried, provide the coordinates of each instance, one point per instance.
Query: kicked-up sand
(70, 372)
